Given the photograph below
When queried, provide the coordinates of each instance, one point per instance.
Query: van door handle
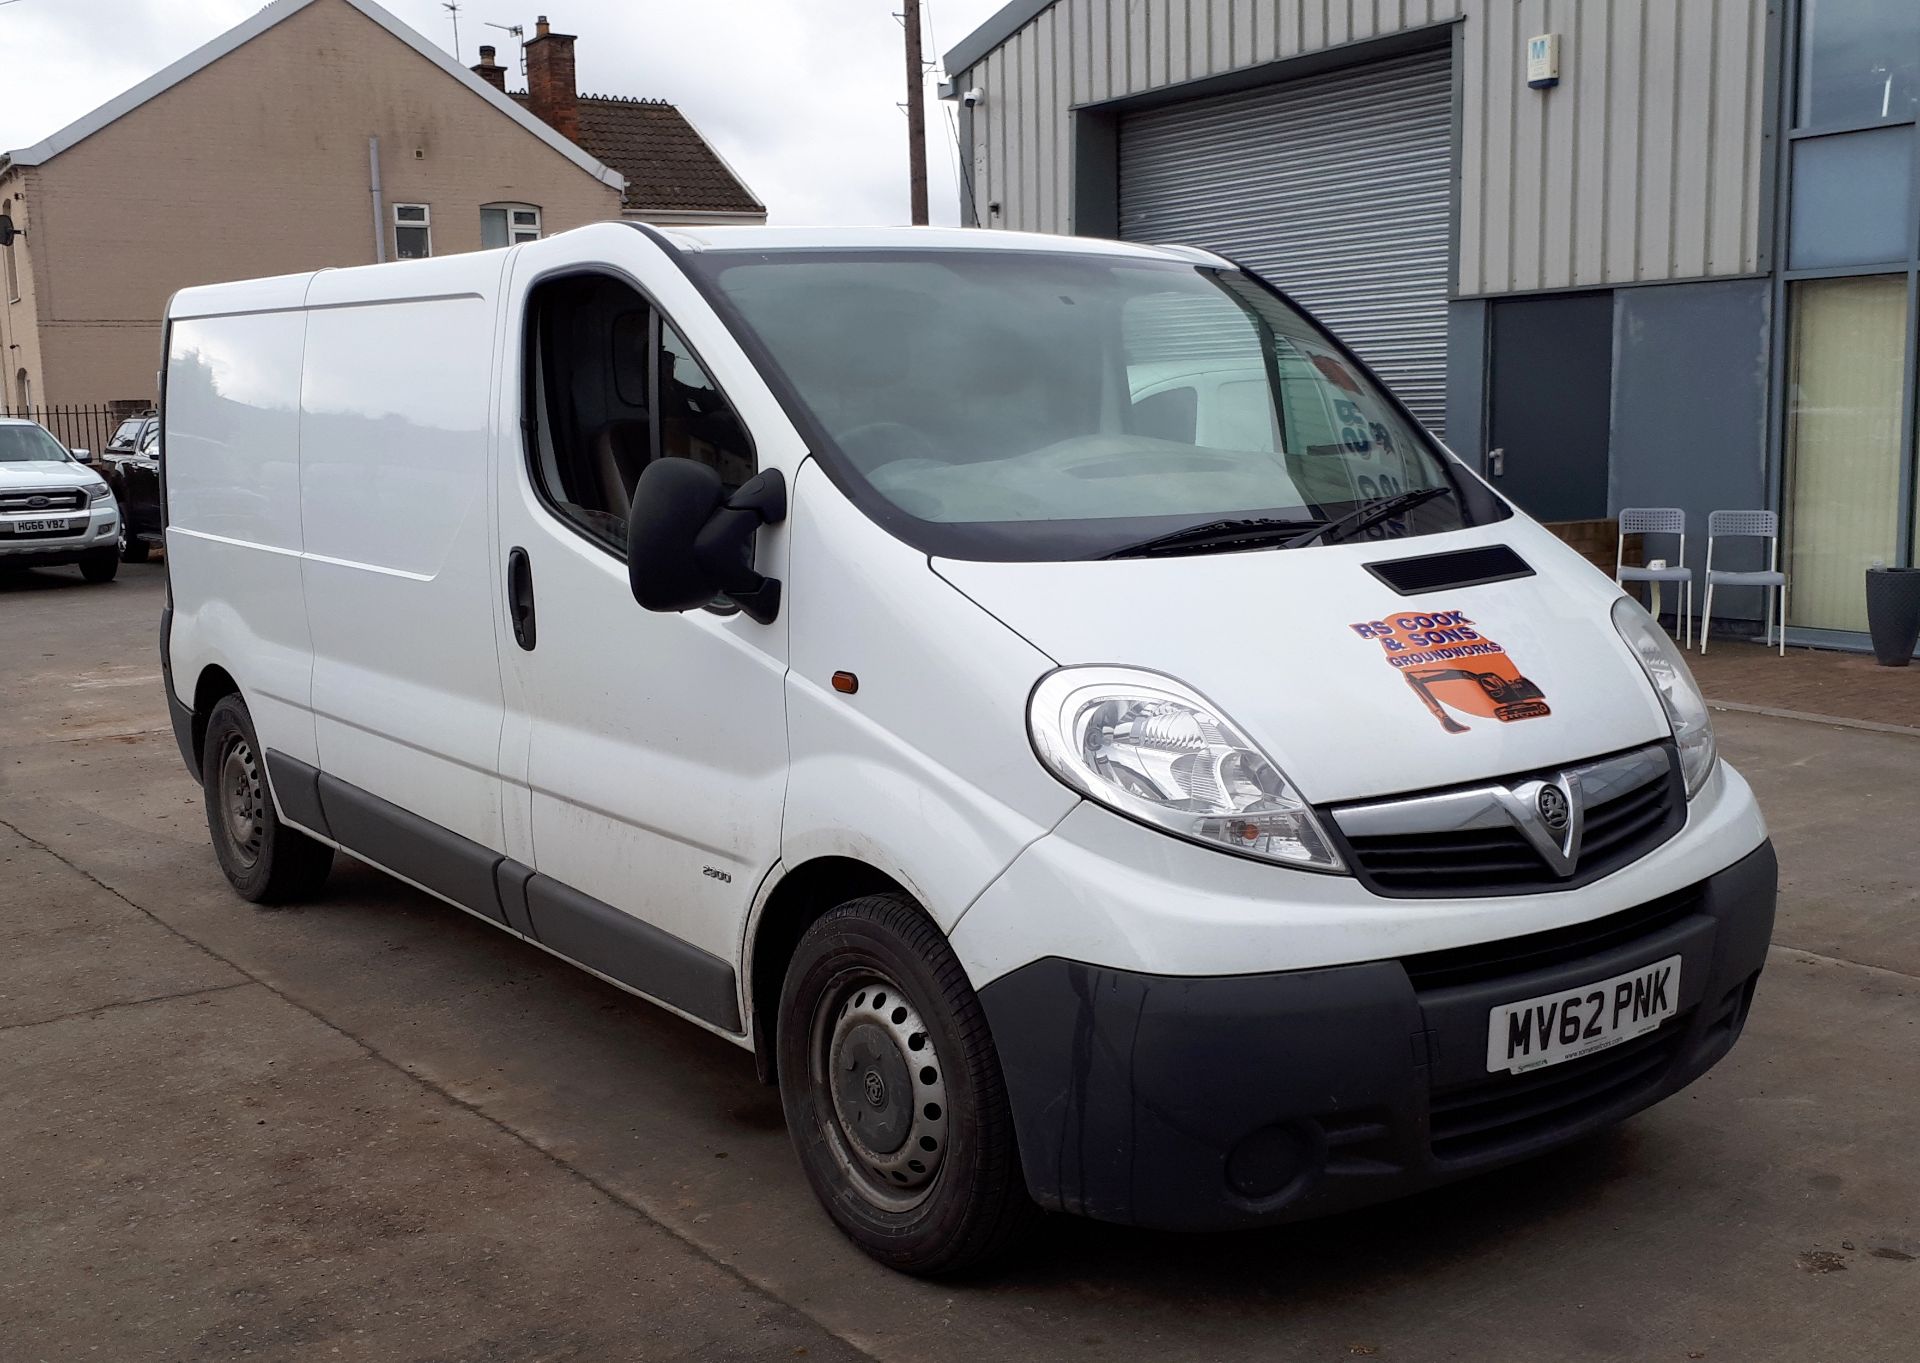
(520, 597)
(1496, 463)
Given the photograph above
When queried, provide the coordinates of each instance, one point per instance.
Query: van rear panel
(234, 536)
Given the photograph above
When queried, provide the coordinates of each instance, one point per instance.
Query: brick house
(316, 133)
(673, 174)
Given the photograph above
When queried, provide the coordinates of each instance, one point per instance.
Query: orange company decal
(1336, 373)
(1451, 665)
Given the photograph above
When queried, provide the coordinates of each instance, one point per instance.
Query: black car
(130, 432)
(131, 466)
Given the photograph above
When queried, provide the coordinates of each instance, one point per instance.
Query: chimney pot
(490, 71)
(552, 96)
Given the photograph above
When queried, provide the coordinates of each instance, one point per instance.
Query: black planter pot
(1893, 613)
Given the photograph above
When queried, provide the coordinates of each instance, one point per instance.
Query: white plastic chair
(1755, 525)
(1658, 520)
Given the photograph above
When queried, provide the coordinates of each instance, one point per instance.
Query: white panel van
(1041, 696)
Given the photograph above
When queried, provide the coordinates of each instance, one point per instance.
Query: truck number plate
(40, 527)
(1575, 1022)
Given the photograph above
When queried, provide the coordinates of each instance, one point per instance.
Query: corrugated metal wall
(1337, 187)
(1646, 162)
(1087, 51)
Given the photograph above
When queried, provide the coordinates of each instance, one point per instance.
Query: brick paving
(1811, 681)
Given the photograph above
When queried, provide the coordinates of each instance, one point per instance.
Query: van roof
(467, 270)
(916, 239)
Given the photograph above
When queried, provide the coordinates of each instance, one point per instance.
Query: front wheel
(265, 860)
(102, 565)
(893, 1093)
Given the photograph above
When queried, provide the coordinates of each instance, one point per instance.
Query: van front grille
(1485, 961)
(1491, 856)
(1489, 1118)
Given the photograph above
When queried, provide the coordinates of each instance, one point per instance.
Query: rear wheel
(133, 549)
(893, 1092)
(101, 565)
(264, 860)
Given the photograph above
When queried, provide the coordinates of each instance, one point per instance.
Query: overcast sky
(801, 96)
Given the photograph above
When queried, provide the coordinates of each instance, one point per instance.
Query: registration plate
(40, 527)
(1575, 1022)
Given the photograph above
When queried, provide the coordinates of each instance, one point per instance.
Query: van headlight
(1679, 694)
(1149, 748)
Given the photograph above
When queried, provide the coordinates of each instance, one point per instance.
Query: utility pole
(916, 115)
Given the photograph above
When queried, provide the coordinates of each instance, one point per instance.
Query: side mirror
(688, 541)
(84, 456)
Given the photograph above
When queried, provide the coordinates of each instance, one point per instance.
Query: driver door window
(613, 386)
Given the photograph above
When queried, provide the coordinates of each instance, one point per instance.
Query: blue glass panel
(1850, 197)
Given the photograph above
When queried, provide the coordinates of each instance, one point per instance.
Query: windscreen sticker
(1452, 666)
(1336, 373)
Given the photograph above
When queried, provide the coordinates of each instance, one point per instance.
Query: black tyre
(102, 565)
(133, 549)
(265, 861)
(893, 1093)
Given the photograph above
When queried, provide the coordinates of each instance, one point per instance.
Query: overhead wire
(962, 171)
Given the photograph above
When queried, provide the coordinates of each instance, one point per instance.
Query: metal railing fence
(83, 426)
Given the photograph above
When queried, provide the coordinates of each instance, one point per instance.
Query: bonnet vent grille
(1461, 568)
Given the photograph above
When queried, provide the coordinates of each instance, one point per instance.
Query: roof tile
(668, 165)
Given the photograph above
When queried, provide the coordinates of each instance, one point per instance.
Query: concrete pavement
(373, 1128)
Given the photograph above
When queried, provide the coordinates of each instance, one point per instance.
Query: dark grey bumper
(1208, 1103)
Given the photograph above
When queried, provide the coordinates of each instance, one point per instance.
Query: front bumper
(100, 529)
(1198, 1103)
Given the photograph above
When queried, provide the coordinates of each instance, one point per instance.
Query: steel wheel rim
(879, 1089)
(243, 800)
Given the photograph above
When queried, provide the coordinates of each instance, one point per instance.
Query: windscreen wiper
(1214, 535)
(1368, 513)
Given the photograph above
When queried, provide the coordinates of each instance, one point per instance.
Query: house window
(508, 224)
(412, 232)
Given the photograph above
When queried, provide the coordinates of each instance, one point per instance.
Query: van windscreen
(1048, 405)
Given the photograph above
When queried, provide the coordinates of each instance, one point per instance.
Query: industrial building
(1618, 252)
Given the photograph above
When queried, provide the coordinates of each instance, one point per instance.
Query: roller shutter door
(1337, 187)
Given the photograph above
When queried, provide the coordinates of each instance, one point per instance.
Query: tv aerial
(518, 32)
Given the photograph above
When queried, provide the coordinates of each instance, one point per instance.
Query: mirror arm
(760, 604)
(761, 500)
(765, 495)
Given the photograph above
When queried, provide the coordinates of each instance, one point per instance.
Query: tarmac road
(371, 1128)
